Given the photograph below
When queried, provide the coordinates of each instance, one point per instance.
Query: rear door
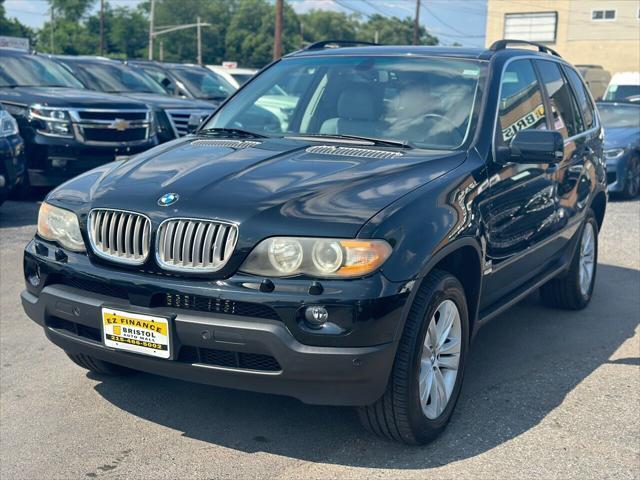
(572, 175)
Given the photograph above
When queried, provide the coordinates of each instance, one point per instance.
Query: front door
(522, 214)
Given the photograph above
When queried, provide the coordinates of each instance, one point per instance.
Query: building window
(534, 27)
(603, 15)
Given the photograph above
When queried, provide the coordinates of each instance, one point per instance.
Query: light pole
(173, 28)
(277, 40)
(151, 28)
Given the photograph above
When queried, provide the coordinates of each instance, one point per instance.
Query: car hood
(167, 102)
(275, 188)
(67, 98)
(620, 137)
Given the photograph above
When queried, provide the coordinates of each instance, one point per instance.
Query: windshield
(622, 92)
(34, 71)
(115, 78)
(619, 116)
(203, 83)
(422, 102)
(242, 78)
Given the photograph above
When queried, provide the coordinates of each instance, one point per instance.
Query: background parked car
(622, 143)
(596, 78)
(624, 87)
(234, 75)
(188, 81)
(12, 163)
(66, 128)
(176, 116)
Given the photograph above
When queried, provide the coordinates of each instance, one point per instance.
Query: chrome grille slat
(195, 245)
(195, 251)
(119, 235)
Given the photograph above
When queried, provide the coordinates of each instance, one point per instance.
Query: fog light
(316, 316)
(34, 277)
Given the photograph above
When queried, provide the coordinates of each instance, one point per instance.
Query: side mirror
(534, 146)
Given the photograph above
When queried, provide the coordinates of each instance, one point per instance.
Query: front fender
(430, 221)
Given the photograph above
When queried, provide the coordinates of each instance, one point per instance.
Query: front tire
(632, 180)
(426, 379)
(97, 366)
(573, 290)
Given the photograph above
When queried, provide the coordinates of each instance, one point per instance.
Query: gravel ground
(548, 394)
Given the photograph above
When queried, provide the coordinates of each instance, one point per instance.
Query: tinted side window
(521, 105)
(581, 96)
(565, 115)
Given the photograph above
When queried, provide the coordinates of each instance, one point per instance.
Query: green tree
(181, 45)
(70, 34)
(326, 25)
(125, 31)
(11, 27)
(249, 39)
(393, 31)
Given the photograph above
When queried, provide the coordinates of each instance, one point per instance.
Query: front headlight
(8, 124)
(614, 153)
(60, 225)
(55, 122)
(316, 257)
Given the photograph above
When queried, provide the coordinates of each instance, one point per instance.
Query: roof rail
(503, 44)
(337, 44)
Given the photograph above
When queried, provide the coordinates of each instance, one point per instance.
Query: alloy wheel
(440, 359)
(587, 258)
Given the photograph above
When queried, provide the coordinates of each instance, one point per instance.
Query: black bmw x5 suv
(343, 250)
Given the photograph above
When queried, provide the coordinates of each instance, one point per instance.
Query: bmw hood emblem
(168, 199)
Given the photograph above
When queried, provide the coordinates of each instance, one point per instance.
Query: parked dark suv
(68, 130)
(176, 116)
(345, 254)
(12, 163)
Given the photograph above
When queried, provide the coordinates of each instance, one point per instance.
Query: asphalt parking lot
(548, 394)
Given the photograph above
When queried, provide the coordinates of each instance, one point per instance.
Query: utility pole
(416, 24)
(199, 41)
(277, 41)
(161, 51)
(51, 31)
(301, 35)
(101, 27)
(151, 27)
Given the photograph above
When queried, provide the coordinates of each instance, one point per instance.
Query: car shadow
(522, 366)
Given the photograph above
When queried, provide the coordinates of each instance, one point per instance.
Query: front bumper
(617, 173)
(52, 161)
(237, 345)
(318, 375)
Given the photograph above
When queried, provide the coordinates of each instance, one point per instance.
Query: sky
(461, 21)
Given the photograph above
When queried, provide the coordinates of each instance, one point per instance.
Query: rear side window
(565, 114)
(581, 96)
(521, 104)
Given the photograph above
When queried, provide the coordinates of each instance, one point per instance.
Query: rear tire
(571, 291)
(400, 414)
(97, 366)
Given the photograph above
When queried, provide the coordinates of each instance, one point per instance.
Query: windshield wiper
(231, 132)
(338, 137)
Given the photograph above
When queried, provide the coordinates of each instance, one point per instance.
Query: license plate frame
(139, 333)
